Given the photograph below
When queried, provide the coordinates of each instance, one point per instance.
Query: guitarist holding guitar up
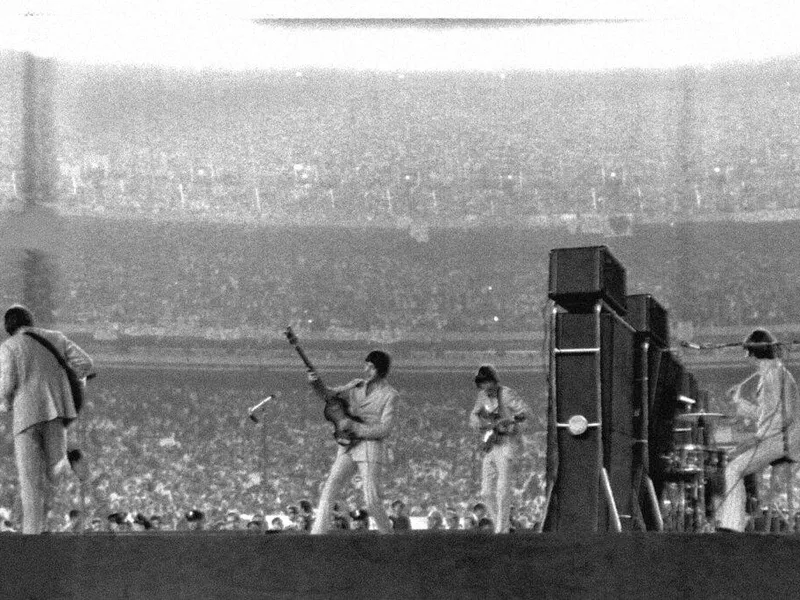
(362, 412)
(498, 413)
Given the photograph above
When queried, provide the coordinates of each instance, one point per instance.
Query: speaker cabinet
(592, 378)
(666, 381)
(648, 317)
(581, 276)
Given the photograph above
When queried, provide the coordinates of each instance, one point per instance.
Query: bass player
(499, 414)
(370, 402)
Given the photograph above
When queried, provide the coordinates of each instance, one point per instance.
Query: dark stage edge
(415, 565)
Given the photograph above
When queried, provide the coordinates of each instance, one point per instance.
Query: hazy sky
(226, 34)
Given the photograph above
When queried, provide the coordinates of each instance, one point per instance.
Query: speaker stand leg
(636, 509)
(612, 507)
(548, 497)
(654, 505)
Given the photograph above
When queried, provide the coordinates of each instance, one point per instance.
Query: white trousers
(731, 513)
(41, 456)
(343, 469)
(496, 484)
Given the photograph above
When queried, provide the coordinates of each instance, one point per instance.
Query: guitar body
(502, 424)
(493, 436)
(336, 408)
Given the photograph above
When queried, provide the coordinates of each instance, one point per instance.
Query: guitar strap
(46, 343)
(71, 376)
(784, 427)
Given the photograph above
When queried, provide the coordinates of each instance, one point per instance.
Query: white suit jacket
(377, 413)
(32, 383)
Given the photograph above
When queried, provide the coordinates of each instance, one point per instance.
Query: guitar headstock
(290, 336)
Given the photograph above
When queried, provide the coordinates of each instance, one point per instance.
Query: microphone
(691, 345)
(252, 412)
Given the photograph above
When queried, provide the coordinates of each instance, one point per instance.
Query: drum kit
(693, 471)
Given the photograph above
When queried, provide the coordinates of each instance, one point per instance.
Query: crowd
(207, 280)
(368, 147)
(203, 203)
(189, 278)
(185, 451)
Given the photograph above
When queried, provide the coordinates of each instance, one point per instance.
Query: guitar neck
(304, 358)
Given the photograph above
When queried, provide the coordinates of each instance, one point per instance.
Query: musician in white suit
(769, 397)
(499, 414)
(372, 401)
(35, 387)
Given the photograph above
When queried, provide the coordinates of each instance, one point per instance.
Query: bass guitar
(336, 408)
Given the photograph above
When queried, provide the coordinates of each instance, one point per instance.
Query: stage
(416, 565)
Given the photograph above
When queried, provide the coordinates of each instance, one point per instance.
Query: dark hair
(381, 360)
(17, 316)
(194, 515)
(140, 519)
(486, 373)
(118, 518)
(761, 344)
(359, 514)
(305, 505)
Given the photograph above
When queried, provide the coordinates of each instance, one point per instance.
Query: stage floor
(414, 565)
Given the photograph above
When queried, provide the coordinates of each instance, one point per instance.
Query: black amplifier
(647, 316)
(579, 277)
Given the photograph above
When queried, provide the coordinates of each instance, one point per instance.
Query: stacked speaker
(613, 394)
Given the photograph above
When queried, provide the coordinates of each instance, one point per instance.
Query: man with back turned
(35, 388)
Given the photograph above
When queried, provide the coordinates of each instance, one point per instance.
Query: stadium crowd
(228, 281)
(368, 147)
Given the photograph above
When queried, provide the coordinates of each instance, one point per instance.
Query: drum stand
(684, 504)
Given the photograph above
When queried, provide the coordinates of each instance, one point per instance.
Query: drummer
(770, 397)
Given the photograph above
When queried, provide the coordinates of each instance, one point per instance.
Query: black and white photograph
(399, 300)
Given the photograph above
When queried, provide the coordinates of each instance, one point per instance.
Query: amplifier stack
(615, 392)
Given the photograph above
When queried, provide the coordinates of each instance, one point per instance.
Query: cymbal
(693, 416)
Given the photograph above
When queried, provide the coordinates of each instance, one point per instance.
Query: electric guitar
(336, 408)
(502, 422)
